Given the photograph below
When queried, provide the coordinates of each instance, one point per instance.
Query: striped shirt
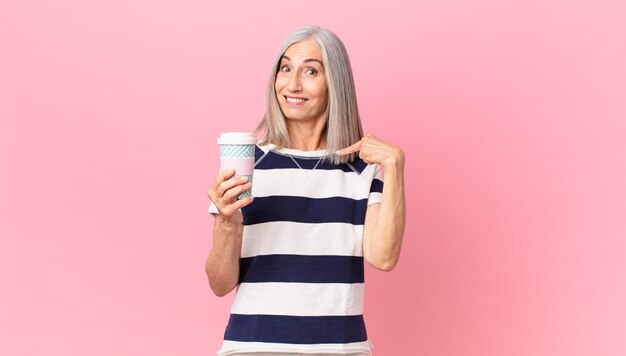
(301, 279)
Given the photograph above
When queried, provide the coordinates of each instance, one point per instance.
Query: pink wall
(513, 118)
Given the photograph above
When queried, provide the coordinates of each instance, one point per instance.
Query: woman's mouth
(292, 100)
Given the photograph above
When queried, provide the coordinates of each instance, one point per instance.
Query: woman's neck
(306, 137)
(307, 144)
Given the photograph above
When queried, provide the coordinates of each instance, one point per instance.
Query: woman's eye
(311, 71)
(284, 68)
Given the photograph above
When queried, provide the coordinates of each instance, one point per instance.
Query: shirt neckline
(298, 153)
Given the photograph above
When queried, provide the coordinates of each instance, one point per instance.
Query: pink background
(512, 115)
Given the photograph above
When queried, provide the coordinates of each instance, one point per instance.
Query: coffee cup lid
(237, 138)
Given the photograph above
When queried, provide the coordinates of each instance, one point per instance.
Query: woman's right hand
(224, 193)
(222, 265)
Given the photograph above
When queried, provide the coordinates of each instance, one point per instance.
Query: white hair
(343, 125)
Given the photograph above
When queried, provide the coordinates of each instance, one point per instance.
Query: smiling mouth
(294, 100)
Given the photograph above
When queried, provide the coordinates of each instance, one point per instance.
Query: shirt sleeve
(376, 189)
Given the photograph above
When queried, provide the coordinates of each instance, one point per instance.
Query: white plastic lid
(237, 138)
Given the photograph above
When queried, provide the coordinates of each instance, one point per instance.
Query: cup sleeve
(376, 188)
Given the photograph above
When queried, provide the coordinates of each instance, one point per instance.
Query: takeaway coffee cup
(237, 151)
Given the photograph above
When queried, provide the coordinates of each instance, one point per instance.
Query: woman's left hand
(373, 150)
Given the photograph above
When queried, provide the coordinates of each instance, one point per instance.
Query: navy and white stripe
(305, 210)
(301, 269)
(290, 238)
(289, 329)
(299, 299)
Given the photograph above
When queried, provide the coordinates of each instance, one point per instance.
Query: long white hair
(343, 125)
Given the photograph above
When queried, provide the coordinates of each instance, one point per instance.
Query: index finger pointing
(349, 149)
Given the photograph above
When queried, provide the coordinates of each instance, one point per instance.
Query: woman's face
(300, 84)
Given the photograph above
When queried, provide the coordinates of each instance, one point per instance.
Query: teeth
(294, 100)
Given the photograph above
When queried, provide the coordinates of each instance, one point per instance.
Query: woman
(295, 249)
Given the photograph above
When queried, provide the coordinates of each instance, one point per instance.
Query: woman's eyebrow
(306, 60)
(314, 60)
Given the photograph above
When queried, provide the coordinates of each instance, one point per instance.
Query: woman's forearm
(386, 239)
(222, 265)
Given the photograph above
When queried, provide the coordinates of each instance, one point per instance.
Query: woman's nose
(295, 82)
